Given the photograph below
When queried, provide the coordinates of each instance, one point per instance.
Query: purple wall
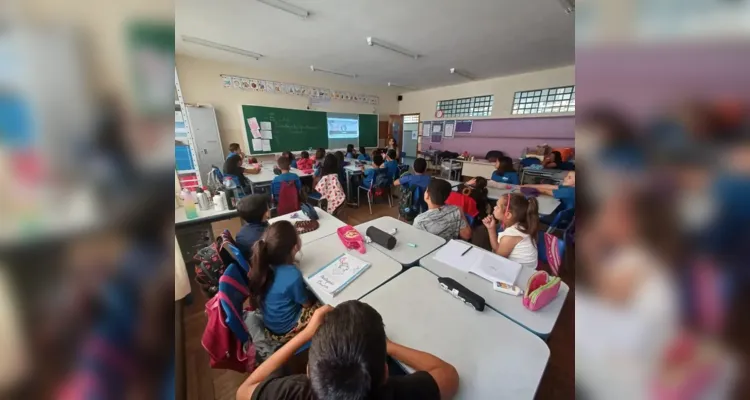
(510, 135)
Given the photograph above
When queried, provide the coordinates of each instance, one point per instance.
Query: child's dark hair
(439, 190)
(377, 160)
(330, 165)
(420, 165)
(480, 185)
(274, 248)
(526, 213)
(362, 150)
(506, 164)
(234, 147)
(289, 155)
(391, 154)
(556, 157)
(340, 156)
(304, 154)
(252, 208)
(320, 154)
(350, 148)
(284, 163)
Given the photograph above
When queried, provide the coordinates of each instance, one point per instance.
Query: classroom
(374, 180)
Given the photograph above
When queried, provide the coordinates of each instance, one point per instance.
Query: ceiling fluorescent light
(220, 46)
(401, 86)
(371, 41)
(313, 69)
(286, 7)
(455, 71)
(569, 6)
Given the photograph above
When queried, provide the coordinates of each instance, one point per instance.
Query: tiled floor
(204, 383)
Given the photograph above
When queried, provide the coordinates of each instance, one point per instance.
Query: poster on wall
(426, 128)
(414, 135)
(437, 132)
(463, 126)
(448, 129)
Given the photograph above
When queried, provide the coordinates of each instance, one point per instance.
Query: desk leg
(348, 186)
(523, 173)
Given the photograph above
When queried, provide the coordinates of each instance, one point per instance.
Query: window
(411, 119)
(545, 101)
(480, 106)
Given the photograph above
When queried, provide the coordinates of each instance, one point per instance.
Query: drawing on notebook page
(335, 276)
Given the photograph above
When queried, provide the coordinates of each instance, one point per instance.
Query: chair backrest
(551, 250)
(563, 219)
(381, 179)
(469, 219)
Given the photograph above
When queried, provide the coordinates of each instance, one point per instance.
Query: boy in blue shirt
(254, 211)
(350, 153)
(419, 178)
(566, 193)
(285, 176)
(363, 154)
(377, 163)
(234, 148)
(391, 165)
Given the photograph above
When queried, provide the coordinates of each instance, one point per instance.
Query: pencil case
(351, 238)
(541, 289)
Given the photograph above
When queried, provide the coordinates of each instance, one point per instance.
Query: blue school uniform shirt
(231, 153)
(284, 177)
(294, 164)
(282, 304)
(566, 195)
(369, 176)
(418, 180)
(392, 167)
(509, 178)
(363, 157)
(349, 155)
(248, 235)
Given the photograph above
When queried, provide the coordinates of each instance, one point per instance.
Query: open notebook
(489, 266)
(339, 273)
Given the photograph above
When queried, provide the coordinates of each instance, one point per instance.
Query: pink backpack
(224, 349)
(288, 198)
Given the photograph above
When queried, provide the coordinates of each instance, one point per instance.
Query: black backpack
(408, 207)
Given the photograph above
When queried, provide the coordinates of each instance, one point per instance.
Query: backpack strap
(232, 282)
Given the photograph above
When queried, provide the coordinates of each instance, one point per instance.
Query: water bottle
(190, 210)
(218, 203)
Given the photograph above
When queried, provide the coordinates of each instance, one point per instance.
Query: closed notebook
(338, 274)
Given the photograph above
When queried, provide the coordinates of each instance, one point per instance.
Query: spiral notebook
(338, 274)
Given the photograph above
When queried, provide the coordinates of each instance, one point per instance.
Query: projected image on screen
(343, 126)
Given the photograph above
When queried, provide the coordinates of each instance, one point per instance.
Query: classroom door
(395, 129)
(205, 132)
(410, 135)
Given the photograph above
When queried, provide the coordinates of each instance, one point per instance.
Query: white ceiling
(486, 38)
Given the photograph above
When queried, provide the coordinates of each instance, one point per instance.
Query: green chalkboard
(296, 130)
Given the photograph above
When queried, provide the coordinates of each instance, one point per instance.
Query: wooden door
(382, 133)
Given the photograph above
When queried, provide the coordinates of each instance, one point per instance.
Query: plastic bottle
(218, 203)
(190, 210)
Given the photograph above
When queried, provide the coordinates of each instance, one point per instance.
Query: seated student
(391, 164)
(342, 163)
(363, 154)
(464, 202)
(291, 157)
(520, 218)
(442, 220)
(552, 160)
(329, 186)
(277, 287)
(320, 154)
(233, 167)
(504, 173)
(566, 193)
(350, 153)
(234, 148)
(371, 173)
(347, 360)
(419, 178)
(304, 162)
(479, 194)
(254, 211)
(285, 176)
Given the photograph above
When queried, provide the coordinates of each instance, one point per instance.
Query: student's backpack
(408, 204)
(224, 349)
(381, 181)
(213, 260)
(288, 198)
(215, 179)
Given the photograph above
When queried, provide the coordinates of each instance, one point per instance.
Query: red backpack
(288, 198)
(224, 349)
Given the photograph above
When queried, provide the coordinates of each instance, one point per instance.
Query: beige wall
(200, 83)
(503, 88)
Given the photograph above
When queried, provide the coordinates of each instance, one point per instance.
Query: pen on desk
(466, 251)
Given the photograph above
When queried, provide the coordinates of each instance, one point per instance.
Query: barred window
(545, 101)
(479, 106)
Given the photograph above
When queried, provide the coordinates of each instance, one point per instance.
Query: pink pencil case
(351, 238)
(541, 289)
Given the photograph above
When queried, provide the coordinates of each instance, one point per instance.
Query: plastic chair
(562, 221)
(469, 219)
(450, 167)
(552, 258)
(371, 193)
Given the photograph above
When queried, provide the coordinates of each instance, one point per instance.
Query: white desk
(477, 168)
(328, 224)
(322, 251)
(540, 322)
(494, 357)
(266, 176)
(181, 219)
(403, 253)
(547, 204)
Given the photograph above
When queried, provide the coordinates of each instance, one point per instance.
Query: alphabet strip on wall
(262, 85)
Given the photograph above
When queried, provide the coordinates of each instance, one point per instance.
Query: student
(254, 211)
(285, 176)
(234, 148)
(342, 173)
(233, 167)
(392, 144)
(291, 157)
(391, 165)
(479, 194)
(504, 172)
(320, 154)
(517, 241)
(371, 173)
(442, 220)
(329, 186)
(350, 153)
(363, 154)
(304, 162)
(552, 160)
(348, 360)
(566, 192)
(277, 287)
(419, 178)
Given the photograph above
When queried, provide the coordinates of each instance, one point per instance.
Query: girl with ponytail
(276, 285)
(519, 216)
